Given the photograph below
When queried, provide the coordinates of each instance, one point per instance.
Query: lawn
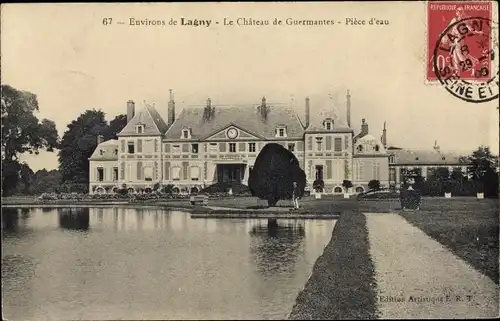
(342, 284)
(466, 226)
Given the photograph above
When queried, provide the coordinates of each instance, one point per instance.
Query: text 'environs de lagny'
(243, 22)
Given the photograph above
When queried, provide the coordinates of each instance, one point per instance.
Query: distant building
(209, 144)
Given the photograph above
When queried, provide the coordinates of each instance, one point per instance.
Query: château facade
(208, 144)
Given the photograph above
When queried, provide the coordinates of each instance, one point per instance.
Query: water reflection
(275, 245)
(153, 264)
(74, 218)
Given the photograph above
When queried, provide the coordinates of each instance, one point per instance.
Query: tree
(273, 174)
(21, 132)
(79, 142)
(374, 184)
(483, 171)
(45, 181)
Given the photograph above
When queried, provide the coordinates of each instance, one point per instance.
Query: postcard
(245, 160)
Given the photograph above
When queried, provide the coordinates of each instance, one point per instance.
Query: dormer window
(139, 128)
(116, 151)
(377, 148)
(186, 133)
(281, 131)
(392, 159)
(359, 148)
(328, 124)
(101, 152)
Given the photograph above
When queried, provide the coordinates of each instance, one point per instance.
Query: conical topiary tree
(273, 174)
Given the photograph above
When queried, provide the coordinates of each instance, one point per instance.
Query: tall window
(176, 149)
(131, 148)
(195, 173)
(148, 174)
(213, 148)
(337, 144)
(328, 125)
(376, 171)
(115, 173)
(194, 148)
(232, 147)
(251, 147)
(319, 172)
(139, 129)
(291, 147)
(100, 174)
(101, 152)
(176, 173)
(319, 144)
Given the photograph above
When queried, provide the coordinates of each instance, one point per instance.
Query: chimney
(364, 128)
(171, 109)
(348, 109)
(383, 139)
(207, 111)
(263, 108)
(130, 110)
(308, 111)
(100, 139)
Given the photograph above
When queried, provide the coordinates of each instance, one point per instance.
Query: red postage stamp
(459, 40)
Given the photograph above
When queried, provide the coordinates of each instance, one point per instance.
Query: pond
(117, 263)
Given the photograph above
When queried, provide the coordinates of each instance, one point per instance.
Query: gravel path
(418, 277)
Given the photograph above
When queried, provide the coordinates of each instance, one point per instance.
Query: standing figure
(295, 195)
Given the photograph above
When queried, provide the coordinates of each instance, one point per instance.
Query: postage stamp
(461, 48)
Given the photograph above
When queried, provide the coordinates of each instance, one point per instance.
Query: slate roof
(425, 157)
(318, 116)
(108, 147)
(153, 123)
(246, 117)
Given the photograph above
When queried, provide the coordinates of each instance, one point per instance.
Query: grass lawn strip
(342, 284)
(470, 234)
(418, 277)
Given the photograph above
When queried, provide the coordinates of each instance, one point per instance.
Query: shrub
(374, 184)
(319, 185)
(410, 199)
(273, 174)
(347, 184)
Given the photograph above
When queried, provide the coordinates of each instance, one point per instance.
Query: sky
(65, 55)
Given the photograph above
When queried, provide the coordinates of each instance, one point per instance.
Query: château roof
(150, 118)
(246, 117)
(106, 151)
(321, 114)
(425, 157)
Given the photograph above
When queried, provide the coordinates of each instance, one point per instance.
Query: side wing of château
(208, 144)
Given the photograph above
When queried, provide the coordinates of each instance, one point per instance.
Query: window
(116, 152)
(281, 132)
(213, 148)
(101, 152)
(131, 147)
(194, 148)
(377, 148)
(392, 159)
(176, 173)
(186, 133)
(115, 173)
(291, 147)
(195, 173)
(251, 147)
(359, 148)
(100, 174)
(328, 126)
(148, 146)
(337, 144)
(319, 172)
(232, 147)
(319, 141)
(139, 129)
(337, 190)
(176, 149)
(148, 174)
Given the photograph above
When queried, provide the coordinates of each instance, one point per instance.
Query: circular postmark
(470, 69)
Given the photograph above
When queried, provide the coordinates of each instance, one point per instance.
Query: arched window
(337, 189)
(360, 189)
(359, 148)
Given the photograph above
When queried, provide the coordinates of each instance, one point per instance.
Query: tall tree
(22, 132)
(483, 170)
(79, 142)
